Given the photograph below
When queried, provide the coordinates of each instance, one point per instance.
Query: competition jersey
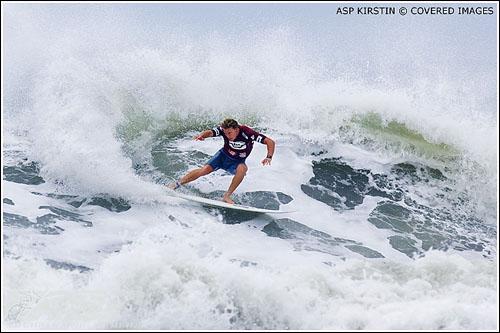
(241, 147)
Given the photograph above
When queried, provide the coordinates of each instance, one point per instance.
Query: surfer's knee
(242, 168)
(205, 170)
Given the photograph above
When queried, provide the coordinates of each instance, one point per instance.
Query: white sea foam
(89, 110)
(173, 277)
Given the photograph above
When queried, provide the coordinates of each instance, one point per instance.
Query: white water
(186, 273)
(87, 109)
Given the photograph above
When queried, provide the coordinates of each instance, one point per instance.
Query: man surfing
(238, 143)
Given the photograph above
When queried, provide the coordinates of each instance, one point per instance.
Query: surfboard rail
(222, 204)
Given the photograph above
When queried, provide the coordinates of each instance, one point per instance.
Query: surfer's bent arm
(270, 150)
(203, 135)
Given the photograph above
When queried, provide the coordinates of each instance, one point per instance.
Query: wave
(178, 279)
(100, 116)
(388, 156)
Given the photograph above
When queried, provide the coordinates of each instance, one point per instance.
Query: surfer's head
(231, 128)
(229, 123)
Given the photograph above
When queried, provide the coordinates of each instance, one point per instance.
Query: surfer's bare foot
(174, 186)
(227, 198)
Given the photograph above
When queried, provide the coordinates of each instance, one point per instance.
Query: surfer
(238, 143)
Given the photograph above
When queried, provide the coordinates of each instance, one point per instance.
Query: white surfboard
(222, 204)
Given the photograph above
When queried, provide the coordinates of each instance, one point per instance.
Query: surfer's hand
(199, 138)
(266, 161)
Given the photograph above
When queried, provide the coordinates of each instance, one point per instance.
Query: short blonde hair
(229, 123)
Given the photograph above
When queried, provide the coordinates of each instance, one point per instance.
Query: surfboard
(222, 204)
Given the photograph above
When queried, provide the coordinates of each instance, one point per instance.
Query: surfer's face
(231, 133)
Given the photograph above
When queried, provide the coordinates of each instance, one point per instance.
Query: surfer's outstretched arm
(270, 150)
(203, 135)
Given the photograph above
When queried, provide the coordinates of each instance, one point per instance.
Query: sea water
(386, 151)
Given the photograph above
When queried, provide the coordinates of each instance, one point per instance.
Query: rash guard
(242, 145)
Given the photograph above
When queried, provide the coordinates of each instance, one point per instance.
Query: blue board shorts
(222, 161)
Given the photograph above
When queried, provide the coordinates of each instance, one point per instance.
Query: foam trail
(108, 117)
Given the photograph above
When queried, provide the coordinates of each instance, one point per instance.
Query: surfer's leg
(191, 175)
(195, 174)
(241, 171)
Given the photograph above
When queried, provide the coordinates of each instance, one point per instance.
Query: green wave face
(397, 135)
(170, 123)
